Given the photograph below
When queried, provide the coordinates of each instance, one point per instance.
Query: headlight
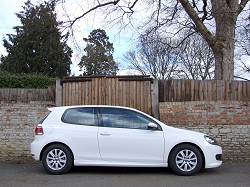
(210, 140)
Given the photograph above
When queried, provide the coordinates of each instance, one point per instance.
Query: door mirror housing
(152, 126)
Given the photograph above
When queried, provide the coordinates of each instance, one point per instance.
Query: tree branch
(204, 10)
(200, 27)
(242, 5)
(94, 8)
(131, 7)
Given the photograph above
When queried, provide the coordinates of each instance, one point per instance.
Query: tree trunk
(224, 63)
(225, 14)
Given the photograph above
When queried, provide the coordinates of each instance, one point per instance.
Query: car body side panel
(82, 140)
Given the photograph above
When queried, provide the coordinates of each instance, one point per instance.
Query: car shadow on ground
(130, 170)
(119, 170)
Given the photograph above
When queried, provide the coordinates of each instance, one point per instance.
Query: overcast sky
(121, 41)
(8, 20)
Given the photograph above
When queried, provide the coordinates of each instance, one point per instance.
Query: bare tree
(243, 53)
(197, 60)
(152, 56)
(215, 20)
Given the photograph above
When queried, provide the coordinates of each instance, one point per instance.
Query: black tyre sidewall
(176, 150)
(68, 164)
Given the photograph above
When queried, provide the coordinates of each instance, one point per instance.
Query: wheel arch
(190, 143)
(51, 143)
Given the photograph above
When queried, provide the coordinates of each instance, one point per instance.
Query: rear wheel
(185, 159)
(57, 159)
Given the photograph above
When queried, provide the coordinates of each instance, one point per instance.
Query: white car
(100, 135)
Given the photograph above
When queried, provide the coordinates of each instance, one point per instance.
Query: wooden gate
(130, 91)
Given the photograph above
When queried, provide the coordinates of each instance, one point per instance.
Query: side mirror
(152, 126)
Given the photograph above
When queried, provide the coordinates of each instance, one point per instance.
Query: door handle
(104, 133)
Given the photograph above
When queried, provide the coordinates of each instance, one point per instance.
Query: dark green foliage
(8, 80)
(99, 55)
(38, 46)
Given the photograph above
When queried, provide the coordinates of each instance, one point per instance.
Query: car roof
(84, 106)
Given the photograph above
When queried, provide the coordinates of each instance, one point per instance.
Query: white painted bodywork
(106, 146)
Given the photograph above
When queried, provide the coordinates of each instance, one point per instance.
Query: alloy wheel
(186, 160)
(56, 159)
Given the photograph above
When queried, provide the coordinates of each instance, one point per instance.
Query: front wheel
(185, 159)
(57, 159)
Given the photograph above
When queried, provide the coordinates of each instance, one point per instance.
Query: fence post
(155, 99)
(58, 93)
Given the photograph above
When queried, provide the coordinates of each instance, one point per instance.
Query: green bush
(8, 80)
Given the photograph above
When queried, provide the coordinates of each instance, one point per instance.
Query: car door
(125, 137)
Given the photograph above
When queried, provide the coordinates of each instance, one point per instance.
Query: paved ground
(33, 175)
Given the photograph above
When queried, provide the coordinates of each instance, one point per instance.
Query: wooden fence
(130, 91)
(203, 90)
(26, 95)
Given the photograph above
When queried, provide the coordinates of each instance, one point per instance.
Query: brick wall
(17, 125)
(227, 121)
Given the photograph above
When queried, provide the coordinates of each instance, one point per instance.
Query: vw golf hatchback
(98, 135)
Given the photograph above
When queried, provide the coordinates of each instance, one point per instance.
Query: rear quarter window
(80, 116)
(44, 117)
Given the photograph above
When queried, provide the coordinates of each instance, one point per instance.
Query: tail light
(39, 130)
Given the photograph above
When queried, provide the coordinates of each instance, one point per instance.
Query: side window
(124, 118)
(80, 116)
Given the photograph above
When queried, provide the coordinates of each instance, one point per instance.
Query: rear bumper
(36, 147)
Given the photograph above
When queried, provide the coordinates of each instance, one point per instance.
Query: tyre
(57, 159)
(185, 159)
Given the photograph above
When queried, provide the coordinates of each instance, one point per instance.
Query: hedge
(8, 80)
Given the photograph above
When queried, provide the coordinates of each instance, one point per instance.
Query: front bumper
(213, 156)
